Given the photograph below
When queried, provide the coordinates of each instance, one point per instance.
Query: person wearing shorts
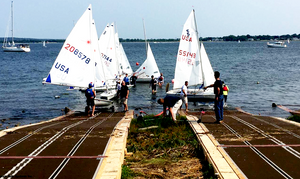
(124, 95)
(153, 83)
(183, 95)
(90, 96)
(171, 102)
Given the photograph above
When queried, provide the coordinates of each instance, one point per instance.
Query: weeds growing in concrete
(163, 148)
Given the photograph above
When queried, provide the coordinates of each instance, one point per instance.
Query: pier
(249, 146)
(71, 146)
(78, 146)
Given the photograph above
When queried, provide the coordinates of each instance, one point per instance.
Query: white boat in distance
(192, 65)
(11, 46)
(278, 44)
(44, 44)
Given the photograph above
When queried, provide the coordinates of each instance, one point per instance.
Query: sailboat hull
(16, 49)
(143, 80)
(108, 95)
(101, 102)
(194, 94)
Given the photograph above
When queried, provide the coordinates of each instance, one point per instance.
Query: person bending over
(171, 102)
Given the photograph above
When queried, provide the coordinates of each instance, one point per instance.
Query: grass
(169, 151)
(294, 118)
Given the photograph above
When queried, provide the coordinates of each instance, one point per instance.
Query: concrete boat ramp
(71, 146)
(77, 146)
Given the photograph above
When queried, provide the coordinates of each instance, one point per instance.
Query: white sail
(75, 64)
(99, 73)
(188, 57)
(207, 70)
(126, 67)
(149, 67)
(108, 55)
(118, 52)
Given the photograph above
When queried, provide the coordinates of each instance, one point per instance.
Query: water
(24, 99)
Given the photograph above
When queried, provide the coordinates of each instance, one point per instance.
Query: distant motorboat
(12, 47)
(278, 44)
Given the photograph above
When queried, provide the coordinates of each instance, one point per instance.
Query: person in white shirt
(183, 95)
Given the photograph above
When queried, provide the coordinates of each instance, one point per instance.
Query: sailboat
(44, 44)
(192, 64)
(79, 57)
(107, 46)
(11, 46)
(124, 66)
(149, 67)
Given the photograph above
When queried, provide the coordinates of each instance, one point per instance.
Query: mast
(198, 43)
(145, 38)
(12, 23)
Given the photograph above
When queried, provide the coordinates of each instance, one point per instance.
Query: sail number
(76, 52)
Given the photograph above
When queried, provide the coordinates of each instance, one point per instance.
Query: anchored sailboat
(149, 67)
(192, 64)
(11, 46)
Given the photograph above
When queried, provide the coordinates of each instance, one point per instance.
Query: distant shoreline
(293, 37)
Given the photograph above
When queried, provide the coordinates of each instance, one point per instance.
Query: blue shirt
(126, 79)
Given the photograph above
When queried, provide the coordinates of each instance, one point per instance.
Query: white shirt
(183, 88)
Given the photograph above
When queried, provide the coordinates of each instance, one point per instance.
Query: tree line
(224, 38)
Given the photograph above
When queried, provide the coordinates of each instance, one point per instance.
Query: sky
(54, 19)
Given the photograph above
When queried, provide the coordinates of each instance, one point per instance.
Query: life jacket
(89, 93)
(225, 88)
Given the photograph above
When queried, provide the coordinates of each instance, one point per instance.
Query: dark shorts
(154, 87)
(90, 102)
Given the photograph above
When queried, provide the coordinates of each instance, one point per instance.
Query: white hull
(108, 95)
(195, 94)
(143, 80)
(16, 49)
(11, 46)
(103, 88)
(276, 45)
(102, 102)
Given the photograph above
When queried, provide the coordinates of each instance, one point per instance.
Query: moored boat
(277, 44)
(11, 46)
(149, 67)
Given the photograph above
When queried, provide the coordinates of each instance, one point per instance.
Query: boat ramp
(77, 146)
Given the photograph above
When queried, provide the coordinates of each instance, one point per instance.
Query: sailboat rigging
(149, 67)
(11, 46)
(79, 57)
(192, 64)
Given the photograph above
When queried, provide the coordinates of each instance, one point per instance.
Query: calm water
(23, 98)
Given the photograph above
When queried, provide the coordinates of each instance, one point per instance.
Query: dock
(70, 146)
(78, 146)
(249, 146)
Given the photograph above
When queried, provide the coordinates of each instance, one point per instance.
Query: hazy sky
(163, 18)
